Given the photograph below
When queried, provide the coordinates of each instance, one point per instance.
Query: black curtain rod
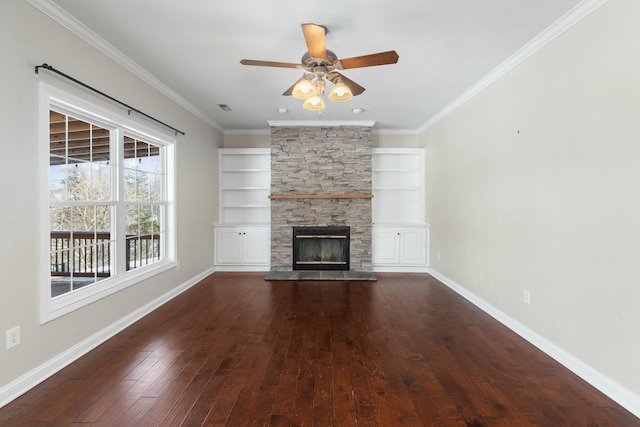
(130, 108)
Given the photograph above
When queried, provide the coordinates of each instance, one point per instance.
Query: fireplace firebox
(321, 248)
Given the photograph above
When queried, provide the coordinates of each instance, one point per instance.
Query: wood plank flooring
(236, 350)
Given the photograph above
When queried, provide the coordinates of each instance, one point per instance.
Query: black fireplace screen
(321, 248)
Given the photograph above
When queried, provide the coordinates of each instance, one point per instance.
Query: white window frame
(52, 308)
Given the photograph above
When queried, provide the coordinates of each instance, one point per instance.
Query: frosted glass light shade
(314, 103)
(304, 89)
(340, 92)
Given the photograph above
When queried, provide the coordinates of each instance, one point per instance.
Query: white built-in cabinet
(242, 245)
(242, 236)
(400, 235)
(400, 248)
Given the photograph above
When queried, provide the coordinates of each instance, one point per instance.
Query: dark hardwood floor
(236, 350)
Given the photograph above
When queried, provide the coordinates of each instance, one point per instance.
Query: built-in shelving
(398, 186)
(400, 235)
(242, 235)
(245, 185)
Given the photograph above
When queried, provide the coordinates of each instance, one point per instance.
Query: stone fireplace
(321, 177)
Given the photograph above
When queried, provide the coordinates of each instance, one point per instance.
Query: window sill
(59, 306)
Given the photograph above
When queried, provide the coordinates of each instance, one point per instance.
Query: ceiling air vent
(224, 107)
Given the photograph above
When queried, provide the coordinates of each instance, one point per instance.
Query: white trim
(320, 123)
(248, 132)
(59, 15)
(567, 21)
(623, 396)
(32, 378)
(245, 151)
(379, 268)
(243, 268)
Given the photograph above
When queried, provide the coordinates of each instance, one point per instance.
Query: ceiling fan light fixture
(304, 89)
(315, 103)
(340, 92)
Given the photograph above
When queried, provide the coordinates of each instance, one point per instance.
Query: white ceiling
(194, 47)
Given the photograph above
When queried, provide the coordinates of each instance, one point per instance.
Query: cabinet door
(413, 249)
(257, 245)
(228, 245)
(386, 248)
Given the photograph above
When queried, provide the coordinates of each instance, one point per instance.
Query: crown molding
(59, 15)
(567, 21)
(396, 131)
(320, 123)
(247, 132)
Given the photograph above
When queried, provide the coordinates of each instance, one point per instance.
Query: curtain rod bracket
(86, 86)
(45, 66)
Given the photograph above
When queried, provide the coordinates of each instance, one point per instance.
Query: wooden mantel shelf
(321, 196)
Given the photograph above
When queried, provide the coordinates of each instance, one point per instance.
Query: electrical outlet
(13, 337)
(526, 297)
(177, 265)
(481, 275)
(438, 255)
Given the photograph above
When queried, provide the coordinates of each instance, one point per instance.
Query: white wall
(29, 38)
(534, 184)
(248, 140)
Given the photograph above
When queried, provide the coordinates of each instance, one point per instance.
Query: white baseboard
(623, 396)
(243, 268)
(34, 377)
(396, 269)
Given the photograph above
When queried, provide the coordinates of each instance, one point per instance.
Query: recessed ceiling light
(282, 110)
(357, 110)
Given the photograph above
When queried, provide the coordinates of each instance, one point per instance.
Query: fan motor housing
(311, 61)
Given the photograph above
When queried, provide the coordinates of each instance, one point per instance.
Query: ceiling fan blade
(289, 91)
(356, 89)
(382, 58)
(269, 63)
(314, 37)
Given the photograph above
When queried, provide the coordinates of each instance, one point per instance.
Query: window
(109, 187)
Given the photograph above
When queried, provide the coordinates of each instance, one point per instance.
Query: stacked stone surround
(321, 161)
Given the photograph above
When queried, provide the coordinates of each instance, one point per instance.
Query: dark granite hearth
(363, 276)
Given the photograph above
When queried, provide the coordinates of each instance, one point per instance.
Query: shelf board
(245, 188)
(244, 170)
(246, 206)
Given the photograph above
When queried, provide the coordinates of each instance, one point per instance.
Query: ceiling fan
(320, 65)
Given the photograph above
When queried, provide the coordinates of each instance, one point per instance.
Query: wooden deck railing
(88, 254)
